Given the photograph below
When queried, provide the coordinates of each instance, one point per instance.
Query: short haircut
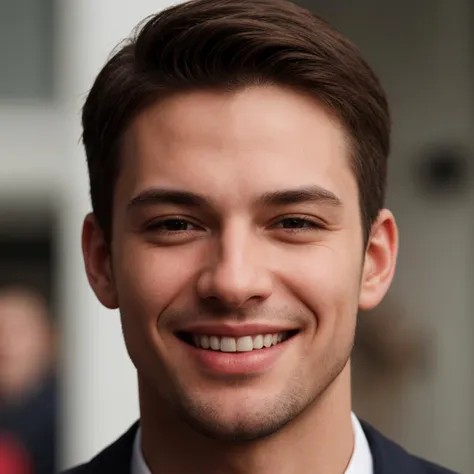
(227, 45)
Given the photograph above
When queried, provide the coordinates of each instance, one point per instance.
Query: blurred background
(414, 357)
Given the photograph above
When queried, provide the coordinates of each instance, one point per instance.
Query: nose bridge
(235, 258)
(236, 272)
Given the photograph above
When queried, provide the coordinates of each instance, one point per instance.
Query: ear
(98, 263)
(380, 259)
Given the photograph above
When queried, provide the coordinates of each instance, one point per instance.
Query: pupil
(176, 225)
(292, 223)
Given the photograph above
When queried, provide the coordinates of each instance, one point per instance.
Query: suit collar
(117, 457)
(388, 457)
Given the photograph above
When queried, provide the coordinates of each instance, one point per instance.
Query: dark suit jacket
(388, 457)
(32, 422)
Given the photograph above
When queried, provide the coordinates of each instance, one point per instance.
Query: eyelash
(308, 224)
(154, 226)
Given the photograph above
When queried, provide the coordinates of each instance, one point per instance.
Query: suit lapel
(388, 457)
(117, 457)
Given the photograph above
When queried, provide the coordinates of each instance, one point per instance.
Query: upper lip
(236, 329)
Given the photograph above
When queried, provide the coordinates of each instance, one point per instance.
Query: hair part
(227, 45)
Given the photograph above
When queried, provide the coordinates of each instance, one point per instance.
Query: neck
(319, 441)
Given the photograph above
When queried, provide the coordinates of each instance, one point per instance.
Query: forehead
(233, 144)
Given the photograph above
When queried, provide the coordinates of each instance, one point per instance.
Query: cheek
(146, 282)
(326, 279)
(148, 278)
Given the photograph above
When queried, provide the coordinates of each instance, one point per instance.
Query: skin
(26, 343)
(234, 257)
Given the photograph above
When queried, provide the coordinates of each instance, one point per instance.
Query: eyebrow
(152, 197)
(287, 197)
(302, 195)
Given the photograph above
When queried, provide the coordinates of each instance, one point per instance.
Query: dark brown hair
(229, 44)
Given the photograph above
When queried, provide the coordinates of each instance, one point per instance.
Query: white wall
(99, 380)
(31, 144)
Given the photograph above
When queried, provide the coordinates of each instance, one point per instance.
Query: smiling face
(236, 226)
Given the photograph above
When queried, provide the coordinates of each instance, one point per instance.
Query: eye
(296, 223)
(172, 225)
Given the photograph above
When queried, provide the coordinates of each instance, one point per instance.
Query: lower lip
(237, 363)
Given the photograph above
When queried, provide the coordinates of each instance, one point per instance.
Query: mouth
(247, 343)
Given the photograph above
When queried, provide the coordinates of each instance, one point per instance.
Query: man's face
(236, 225)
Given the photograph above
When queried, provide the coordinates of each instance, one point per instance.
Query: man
(237, 154)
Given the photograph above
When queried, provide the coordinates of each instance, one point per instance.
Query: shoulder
(426, 467)
(82, 469)
(115, 458)
(390, 458)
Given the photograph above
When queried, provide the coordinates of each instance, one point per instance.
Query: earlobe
(97, 261)
(380, 261)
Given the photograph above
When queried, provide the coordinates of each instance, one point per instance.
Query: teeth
(258, 342)
(267, 340)
(205, 342)
(215, 343)
(244, 344)
(228, 344)
(239, 344)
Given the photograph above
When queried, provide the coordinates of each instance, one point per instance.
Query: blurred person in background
(237, 156)
(27, 383)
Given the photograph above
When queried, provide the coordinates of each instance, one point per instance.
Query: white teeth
(205, 342)
(244, 344)
(228, 344)
(268, 340)
(239, 344)
(215, 344)
(258, 342)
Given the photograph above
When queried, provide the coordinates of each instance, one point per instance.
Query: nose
(236, 276)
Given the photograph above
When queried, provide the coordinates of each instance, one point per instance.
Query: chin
(249, 428)
(240, 421)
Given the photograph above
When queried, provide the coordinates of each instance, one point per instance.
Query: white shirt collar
(138, 462)
(361, 461)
